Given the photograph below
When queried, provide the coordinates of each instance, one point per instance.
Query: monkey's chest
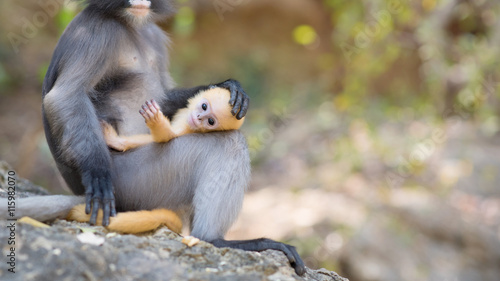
(133, 60)
(146, 84)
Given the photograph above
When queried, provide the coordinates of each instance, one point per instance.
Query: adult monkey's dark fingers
(296, 262)
(96, 199)
(243, 109)
(108, 201)
(293, 258)
(106, 212)
(99, 194)
(95, 210)
(87, 181)
(237, 104)
(239, 99)
(231, 85)
(88, 200)
(233, 96)
(113, 208)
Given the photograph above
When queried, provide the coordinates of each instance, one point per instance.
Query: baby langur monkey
(205, 112)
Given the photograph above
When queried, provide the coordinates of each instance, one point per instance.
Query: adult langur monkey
(110, 59)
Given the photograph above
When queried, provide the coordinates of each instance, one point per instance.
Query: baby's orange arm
(158, 124)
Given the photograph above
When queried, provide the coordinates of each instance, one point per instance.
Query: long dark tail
(42, 208)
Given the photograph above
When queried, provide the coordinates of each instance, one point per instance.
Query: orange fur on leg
(132, 222)
(123, 143)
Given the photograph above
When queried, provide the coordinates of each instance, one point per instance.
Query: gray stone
(54, 253)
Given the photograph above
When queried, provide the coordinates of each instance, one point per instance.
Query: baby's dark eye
(204, 106)
(211, 121)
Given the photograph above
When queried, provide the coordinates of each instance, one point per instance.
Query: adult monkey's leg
(204, 173)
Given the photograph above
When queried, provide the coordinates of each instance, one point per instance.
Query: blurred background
(373, 129)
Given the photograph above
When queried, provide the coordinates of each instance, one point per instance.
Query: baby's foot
(111, 137)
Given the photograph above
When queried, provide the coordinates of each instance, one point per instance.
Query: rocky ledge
(77, 251)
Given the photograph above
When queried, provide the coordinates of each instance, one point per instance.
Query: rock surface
(24, 187)
(56, 253)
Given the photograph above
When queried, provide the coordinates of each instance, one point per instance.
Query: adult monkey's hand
(239, 99)
(98, 194)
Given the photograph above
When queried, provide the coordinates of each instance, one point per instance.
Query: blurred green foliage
(66, 15)
(335, 86)
(184, 21)
(369, 59)
(304, 34)
(4, 78)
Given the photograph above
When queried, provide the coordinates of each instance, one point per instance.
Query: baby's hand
(157, 123)
(152, 114)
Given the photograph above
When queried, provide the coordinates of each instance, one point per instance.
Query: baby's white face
(203, 117)
(210, 111)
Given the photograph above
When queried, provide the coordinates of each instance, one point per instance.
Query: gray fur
(156, 176)
(105, 65)
(205, 174)
(42, 208)
(104, 69)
